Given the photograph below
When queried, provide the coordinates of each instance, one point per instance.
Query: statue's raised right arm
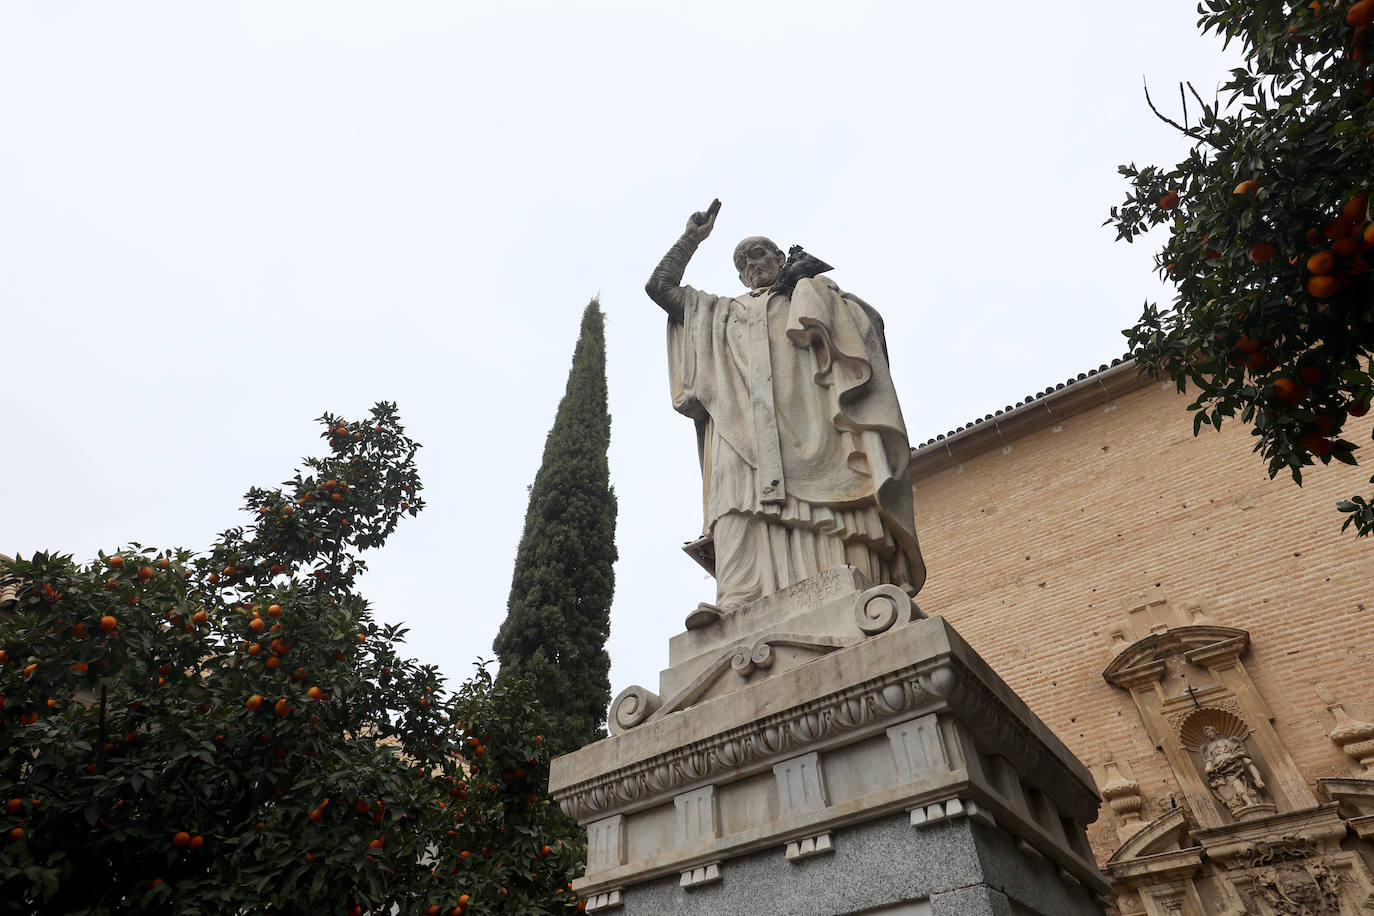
(665, 283)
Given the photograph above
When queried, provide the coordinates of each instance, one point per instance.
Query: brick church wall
(1040, 530)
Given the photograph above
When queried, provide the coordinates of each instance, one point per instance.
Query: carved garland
(898, 693)
(767, 738)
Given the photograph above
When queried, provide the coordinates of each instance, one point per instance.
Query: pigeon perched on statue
(798, 266)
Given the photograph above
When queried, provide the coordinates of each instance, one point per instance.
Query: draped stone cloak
(797, 419)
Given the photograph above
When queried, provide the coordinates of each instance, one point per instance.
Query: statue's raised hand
(700, 225)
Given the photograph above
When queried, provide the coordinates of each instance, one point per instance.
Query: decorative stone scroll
(879, 608)
(636, 705)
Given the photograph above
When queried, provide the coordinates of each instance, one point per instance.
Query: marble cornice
(701, 744)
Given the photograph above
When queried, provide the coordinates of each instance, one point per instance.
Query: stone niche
(830, 750)
(1250, 836)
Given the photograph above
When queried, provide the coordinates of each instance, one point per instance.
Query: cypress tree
(558, 613)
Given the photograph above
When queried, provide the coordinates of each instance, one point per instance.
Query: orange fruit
(375, 844)
(1262, 251)
(1169, 201)
(30, 669)
(199, 617)
(254, 649)
(1361, 14)
(181, 839)
(1345, 247)
(14, 806)
(1323, 287)
(1355, 207)
(1316, 443)
(1249, 186)
(145, 573)
(1358, 408)
(272, 663)
(1310, 375)
(257, 625)
(1323, 262)
(1369, 234)
(1338, 229)
(117, 562)
(15, 834)
(254, 702)
(1288, 390)
(274, 611)
(281, 707)
(108, 623)
(315, 693)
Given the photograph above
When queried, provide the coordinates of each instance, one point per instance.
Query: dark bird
(798, 266)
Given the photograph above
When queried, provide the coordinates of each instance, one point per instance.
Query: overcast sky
(219, 220)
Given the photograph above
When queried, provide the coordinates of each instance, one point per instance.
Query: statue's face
(1210, 733)
(758, 261)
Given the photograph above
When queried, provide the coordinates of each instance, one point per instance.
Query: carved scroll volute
(746, 659)
(631, 707)
(881, 607)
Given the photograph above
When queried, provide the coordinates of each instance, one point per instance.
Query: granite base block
(960, 868)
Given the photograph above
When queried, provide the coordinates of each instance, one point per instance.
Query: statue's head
(1210, 732)
(758, 261)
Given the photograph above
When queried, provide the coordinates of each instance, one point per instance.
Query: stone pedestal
(828, 750)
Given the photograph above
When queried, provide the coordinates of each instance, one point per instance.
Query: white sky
(219, 220)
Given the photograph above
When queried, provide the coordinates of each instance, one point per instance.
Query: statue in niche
(804, 453)
(1231, 772)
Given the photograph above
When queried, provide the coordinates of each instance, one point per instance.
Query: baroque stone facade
(1199, 635)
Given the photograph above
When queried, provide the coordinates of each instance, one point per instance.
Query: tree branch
(1174, 124)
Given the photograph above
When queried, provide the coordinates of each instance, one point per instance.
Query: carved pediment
(1166, 833)
(1203, 645)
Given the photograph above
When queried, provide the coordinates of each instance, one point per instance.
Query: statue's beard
(761, 278)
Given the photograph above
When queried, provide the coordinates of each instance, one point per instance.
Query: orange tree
(1269, 240)
(232, 731)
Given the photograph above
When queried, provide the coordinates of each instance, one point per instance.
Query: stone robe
(803, 450)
